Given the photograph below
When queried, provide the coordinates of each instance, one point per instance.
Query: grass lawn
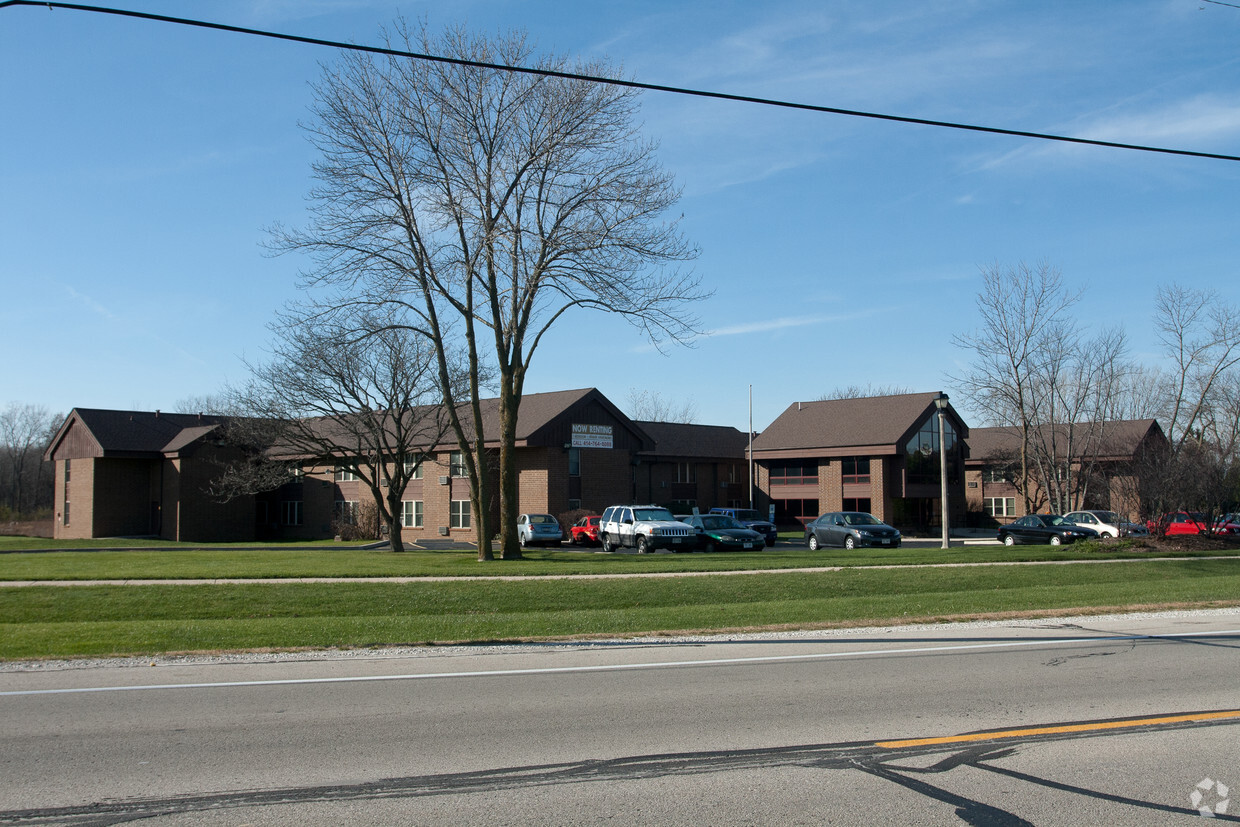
(60, 621)
(186, 561)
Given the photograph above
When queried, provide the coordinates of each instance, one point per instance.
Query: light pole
(941, 404)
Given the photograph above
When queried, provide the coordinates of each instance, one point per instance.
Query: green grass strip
(276, 562)
(54, 621)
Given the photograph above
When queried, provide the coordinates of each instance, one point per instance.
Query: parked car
(752, 518)
(584, 532)
(539, 529)
(850, 529)
(719, 532)
(1228, 524)
(1044, 529)
(1106, 523)
(1134, 530)
(645, 528)
(1180, 522)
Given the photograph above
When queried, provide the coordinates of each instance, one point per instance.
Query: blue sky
(140, 163)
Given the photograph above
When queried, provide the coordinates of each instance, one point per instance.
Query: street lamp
(941, 403)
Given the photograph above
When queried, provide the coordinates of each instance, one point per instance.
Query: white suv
(645, 528)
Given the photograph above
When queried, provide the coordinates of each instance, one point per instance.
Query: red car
(1180, 522)
(585, 531)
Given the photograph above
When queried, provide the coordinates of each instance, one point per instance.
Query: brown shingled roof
(1120, 439)
(675, 439)
(836, 424)
(138, 433)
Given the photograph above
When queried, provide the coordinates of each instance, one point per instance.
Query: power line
(650, 87)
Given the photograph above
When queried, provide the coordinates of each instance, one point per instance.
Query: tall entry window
(921, 458)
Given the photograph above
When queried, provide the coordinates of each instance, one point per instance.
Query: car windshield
(718, 521)
(541, 518)
(858, 518)
(652, 514)
(1055, 519)
(1198, 516)
(1107, 516)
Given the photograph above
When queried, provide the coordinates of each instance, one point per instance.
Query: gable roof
(130, 434)
(153, 434)
(676, 439)
(1118, 439)
(872, 424)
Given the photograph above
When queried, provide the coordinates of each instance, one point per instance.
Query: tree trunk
(508, 402)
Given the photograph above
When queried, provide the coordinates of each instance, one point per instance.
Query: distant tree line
(26, 481)
(1038, 369)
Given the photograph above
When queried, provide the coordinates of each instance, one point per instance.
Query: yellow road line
(1053, 730)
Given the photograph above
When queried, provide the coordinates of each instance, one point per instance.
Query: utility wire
(651, 87)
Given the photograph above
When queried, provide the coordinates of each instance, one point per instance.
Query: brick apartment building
(138, 473)
(877, 454)
(1106, 458)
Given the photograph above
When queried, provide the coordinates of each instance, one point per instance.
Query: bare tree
(862, 392)
(1022, 309)
(25, 431)
(1201, 337)
(486, 204)
(651, 406)
(369, 403)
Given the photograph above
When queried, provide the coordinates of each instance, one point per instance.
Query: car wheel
(1056, 540)
(607, 546)
(521, 539)
(1009, 540)
(850, 543)
(642, 546)
(770, 543)
(709, 547)
(813, 542)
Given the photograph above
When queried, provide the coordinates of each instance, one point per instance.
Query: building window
(411, 513)
(460, 514)
(857, 504)
(797, 472)
(344, 474)
(686, 472)
(290, 512)
(921, 458)
(65, 509)
(788, 512)
(574, 505)
(413, 468)
(994, 474)
(456, 464)
(346, 511)
(856, 470)
(574, 462)
(1001, 506)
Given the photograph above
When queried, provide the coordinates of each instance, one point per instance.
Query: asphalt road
(1091, 721)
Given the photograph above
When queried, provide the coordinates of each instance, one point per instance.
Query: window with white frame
(1001, 506)
(460, 514)
(456, 463)
(346, 511)
(411, 513)
(686, 472)
(346, 474)
(413, 467)
(290, 512)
